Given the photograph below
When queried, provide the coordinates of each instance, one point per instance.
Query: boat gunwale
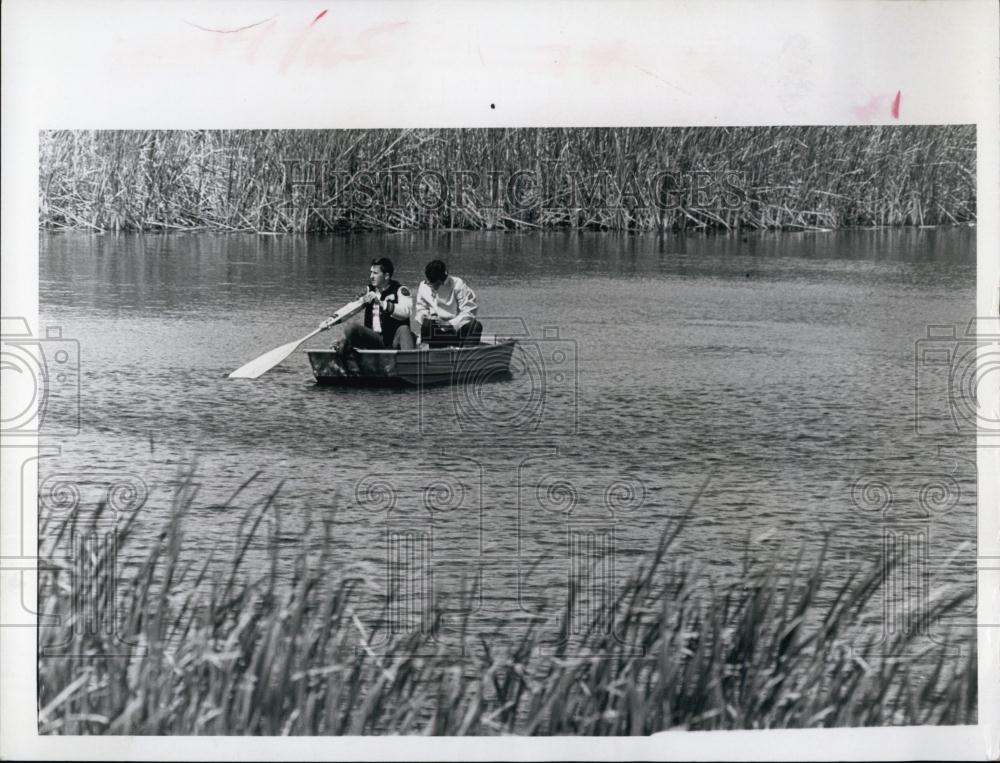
(466, 348)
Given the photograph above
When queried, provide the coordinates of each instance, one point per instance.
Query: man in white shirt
(445, 311)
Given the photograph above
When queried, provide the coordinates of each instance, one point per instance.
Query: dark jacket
(398, 314)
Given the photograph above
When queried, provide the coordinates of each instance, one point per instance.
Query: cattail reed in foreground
(208, 646)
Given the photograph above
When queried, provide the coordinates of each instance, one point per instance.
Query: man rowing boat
(388, 306)
(445, 313)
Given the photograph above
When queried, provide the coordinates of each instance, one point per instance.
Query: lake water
(775, 370)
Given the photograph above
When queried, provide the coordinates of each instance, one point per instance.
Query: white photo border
(166, 64)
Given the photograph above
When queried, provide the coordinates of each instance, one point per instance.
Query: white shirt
(454, 302)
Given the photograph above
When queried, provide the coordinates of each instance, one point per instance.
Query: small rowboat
(487, 361)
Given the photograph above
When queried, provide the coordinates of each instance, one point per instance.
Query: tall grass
(789, 177)
(201, 648)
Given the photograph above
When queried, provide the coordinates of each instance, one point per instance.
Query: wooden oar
(267, 361)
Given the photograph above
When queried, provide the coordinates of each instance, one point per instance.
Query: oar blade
(267, 361)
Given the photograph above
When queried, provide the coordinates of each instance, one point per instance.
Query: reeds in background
(788, 177)
(206, 648)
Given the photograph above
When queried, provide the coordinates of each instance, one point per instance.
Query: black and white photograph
(514, 429)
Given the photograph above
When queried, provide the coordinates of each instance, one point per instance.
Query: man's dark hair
(436, 271)
(385, 263)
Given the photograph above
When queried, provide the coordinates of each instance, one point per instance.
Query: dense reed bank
(638, 179)
(236, 651)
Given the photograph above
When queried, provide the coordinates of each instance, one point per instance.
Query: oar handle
(329, 323)
(341, 315)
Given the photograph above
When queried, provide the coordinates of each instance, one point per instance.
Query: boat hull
(414, 368)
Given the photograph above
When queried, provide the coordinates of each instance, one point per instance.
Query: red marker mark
(895, 105)
(320, 15)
